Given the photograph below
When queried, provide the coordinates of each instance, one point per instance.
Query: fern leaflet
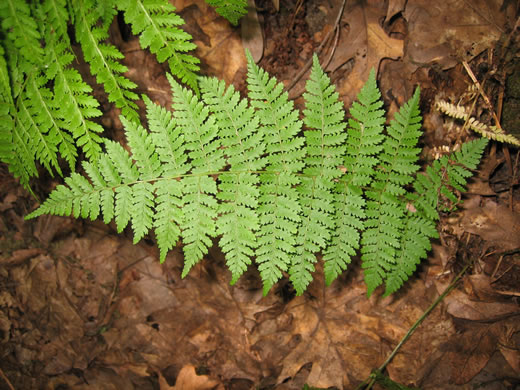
(363, 145)
(232, 10)
(170, 147)
(156, 22)
(77, 106)
(423, 210)
(203, 147)
(103, 58)
(238, 191)
(21, 29)
(325, 138)
(279, 207)
(385, 209)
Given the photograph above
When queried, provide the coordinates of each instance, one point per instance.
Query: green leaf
(156, 22)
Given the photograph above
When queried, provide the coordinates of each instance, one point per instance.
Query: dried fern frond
(488, 131)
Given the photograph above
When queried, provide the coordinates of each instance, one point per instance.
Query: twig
(497, 123)
(372, 380)
(333, 50)
(483, 94)
(318, 50)
(6, 380)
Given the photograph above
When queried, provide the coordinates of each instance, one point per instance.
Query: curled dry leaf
(189, 380)
(448, 33)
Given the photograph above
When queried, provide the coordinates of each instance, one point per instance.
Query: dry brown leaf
(251, 32)
(394, 7)
(460, 305)
(469, 352)
(509, 344)
(494, 223)
(189, 380)
(342, 335)
(365, 43)
(474, 348)
(448, 33)
(224, 55)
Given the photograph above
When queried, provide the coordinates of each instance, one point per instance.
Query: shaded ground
(83, 308)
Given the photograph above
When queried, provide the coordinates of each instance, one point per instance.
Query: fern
(157, 23)
(76, 106)
(445, 175)
(6, 104)
(232, 10)
(219, 165)
(203, 148)
(104, 58)
(49, 112)
(21, 30)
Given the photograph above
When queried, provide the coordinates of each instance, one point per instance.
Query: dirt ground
(81, 307)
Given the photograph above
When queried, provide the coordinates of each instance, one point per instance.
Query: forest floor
(81, 307)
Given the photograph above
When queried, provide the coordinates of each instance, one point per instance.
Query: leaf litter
(83, 308)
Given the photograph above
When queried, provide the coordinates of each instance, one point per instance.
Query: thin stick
(6, 380)
(318, 50)
(482, 93)
(372, 380)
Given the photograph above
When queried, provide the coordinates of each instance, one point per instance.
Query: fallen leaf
(251, 32)
(494, 223)
(189, 380)
(394, 7)
(364, 44)
(459, 305)
(469, 352)
(448, 33)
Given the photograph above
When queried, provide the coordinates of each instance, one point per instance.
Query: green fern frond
(76, 105)
(104, 58)
(365, 135)
(279, 207)
(218, 166)
(38, 108)
(325, 139)
(457, 168)
(238, 190)
(385, 210)
(21, 29)
(156, 22)
(414, 246)
(170, 148)
(6, 106)
(232, 10)
(18, 151)
(57, 16)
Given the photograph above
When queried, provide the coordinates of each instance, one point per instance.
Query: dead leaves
(363, 44)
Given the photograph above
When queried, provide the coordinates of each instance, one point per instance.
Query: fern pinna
(219, 165)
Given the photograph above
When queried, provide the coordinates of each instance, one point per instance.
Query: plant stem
(372, 379)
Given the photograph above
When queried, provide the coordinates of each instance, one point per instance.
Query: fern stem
(408, 334)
